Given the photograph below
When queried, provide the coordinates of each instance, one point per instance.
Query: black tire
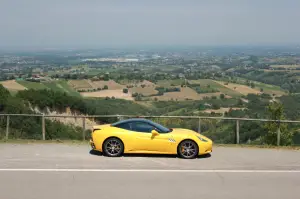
(113, 147)
(188, 149)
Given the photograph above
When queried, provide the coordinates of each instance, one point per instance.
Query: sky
(105, 23)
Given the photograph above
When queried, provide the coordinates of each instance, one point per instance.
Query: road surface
(48, 171)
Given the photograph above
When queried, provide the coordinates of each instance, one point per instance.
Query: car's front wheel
(188, 149)
(113, 147)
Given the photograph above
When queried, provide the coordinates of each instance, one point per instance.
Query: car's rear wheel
(113, 147)
(188, 149)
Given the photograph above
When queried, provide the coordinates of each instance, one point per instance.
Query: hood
(184, 131)
(179, 131)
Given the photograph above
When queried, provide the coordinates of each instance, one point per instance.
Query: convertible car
(147, 137)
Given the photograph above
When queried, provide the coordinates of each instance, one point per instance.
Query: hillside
(57, 103)
(55, 85)
(162, 90)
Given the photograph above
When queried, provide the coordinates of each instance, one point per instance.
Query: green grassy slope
(60, 86)
(32, 85)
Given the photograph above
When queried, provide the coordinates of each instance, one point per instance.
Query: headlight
(202, 139)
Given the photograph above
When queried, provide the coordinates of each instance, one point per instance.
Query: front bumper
(205, 148)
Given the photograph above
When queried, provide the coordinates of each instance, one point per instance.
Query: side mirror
(154, 133)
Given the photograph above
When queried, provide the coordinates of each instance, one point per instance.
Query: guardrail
(199, 118)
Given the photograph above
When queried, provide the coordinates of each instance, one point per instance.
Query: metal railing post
(83, 128)
(278, 136)
(199, 126)
(7, 127)
(237, 132)
(43, 128)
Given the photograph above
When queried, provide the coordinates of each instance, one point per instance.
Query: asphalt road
(30, 171)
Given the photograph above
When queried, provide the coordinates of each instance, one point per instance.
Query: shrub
(125, 90)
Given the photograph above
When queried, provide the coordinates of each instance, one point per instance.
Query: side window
(142, 127)
(126, 126)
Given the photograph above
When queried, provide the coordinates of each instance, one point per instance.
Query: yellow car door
(147, 142)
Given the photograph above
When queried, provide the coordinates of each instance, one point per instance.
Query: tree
(222, 96)
(276, 112)
(4, 94)
(240, 102)
(106, 77)
(261, 90)
(125, 90)
(138, 98)
(216, 106)
(105, 87)
(252, 85)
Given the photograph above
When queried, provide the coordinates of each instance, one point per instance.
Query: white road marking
(151, 170)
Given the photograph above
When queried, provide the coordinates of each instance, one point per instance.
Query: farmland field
(168, 83)
(146, 91)
(281, 71)
(184, 94)
(285, 66)
(215, 85)
(80, 84)
(112, 85)
(269, 89)
(242, 89)
(61, 86)
(109, 93)
(58, 86)
(33, 85)
(12, 85)
(136, 83)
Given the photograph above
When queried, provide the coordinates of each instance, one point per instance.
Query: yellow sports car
(147, 137)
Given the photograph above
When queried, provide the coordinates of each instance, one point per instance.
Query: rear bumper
(92, 144)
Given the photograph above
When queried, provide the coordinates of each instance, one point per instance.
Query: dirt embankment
(70, 118)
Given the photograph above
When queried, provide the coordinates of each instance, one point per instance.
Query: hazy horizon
(96, 24)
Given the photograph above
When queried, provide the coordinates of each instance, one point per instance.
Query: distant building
(181, 75)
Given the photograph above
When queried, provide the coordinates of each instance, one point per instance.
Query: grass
(168, 83)
(13, 92)
(32, 85)
(61, 86)
(93, 72)
(267, 88)
(58, 86)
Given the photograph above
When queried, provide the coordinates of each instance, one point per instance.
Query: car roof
(131, 120)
